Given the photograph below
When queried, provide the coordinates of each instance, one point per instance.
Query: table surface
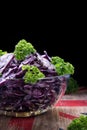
(57, 118)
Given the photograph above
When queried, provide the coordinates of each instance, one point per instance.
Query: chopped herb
(22, 49)
(32, 74)
(78, 123)
(61, 66)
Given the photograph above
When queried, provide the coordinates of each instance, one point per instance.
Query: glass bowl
(33, 99)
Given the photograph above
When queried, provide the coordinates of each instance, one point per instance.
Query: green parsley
(72, 86)
(61, 66)
(2, 52)
(78, 123)
(33, 74)
(22, 49)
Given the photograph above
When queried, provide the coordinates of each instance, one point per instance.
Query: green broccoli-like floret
(2, 52)
(0, 74)
(22, 49)
(61, 66)
(56, 60)
(72, 86)
(78, 123)
(33, 74)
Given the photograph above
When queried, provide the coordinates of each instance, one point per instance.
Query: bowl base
(23, 114)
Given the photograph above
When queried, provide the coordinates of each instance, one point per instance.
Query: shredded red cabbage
(15, 95)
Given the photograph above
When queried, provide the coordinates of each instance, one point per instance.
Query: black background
(61, 33)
